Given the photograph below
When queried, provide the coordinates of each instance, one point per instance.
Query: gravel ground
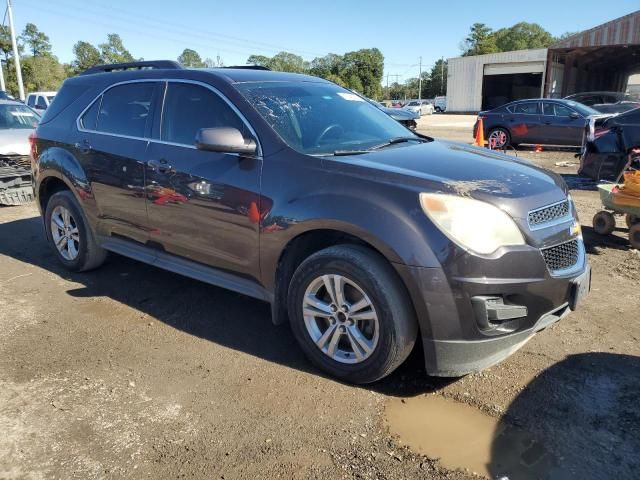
(133, 372)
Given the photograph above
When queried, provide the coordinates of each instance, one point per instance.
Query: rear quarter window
(68, 94)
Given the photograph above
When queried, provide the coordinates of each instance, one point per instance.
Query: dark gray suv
(288, 188)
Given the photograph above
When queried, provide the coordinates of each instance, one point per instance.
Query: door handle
(83, 146)
(160, 166)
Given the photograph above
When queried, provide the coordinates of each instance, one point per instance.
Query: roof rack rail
(248, 67)
(165, 64)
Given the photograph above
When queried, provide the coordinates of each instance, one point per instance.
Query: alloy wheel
(341, 319)
(65, 234)
(497, 139)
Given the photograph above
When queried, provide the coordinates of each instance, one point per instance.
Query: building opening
(500, 89)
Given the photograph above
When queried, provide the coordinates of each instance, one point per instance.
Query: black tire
(634, 236)
(604, 223)
(90, 255)
(396, 318)
(503, 131)
(631, 219)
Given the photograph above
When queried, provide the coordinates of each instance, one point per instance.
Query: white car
(40, 100)
(421, 107)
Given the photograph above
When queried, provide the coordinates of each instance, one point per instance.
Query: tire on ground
(90, 254)
(506, 133)
(396, 318)
(604, 222)
(634, 236)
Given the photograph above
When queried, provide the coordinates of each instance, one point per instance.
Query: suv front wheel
(351, 314)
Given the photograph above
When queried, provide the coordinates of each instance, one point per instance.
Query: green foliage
(191, 58)
(86, 56)
(479, 41)
(113, 51)
(521, 36)
(360, 70)
(37, 41)
(5, 42)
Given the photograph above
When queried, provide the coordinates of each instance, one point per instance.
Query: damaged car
(609, 142)
(17, 124)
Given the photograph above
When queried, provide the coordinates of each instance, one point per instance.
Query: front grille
(15, 161)
(548, 214)
(561, 256)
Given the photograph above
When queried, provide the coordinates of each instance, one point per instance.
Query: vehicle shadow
(594, 241)
(208, 312)
(577, 419)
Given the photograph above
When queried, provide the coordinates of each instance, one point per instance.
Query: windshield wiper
(341, 153)
(396, 140)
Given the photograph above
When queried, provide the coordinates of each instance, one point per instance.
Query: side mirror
(574, 115)
(224, 139)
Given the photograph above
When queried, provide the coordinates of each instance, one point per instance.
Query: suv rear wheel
(69, 236)
(350, 313)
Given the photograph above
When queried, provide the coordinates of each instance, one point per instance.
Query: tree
(190, 58)
(113, 51)
(259, 60)
(362, 70)
(437, 84)
(522, 36)
(86, 56)
(37, 41)
(479, 41)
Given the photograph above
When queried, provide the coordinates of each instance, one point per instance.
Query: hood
(400, 114)
(513, 184)
(15, 141)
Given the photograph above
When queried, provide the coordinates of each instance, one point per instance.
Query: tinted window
(188, 108)
(125, 109)
(556, 109)
(530, 108)
(31, 100)
(90, 117)
(589, 99)
(40, 103)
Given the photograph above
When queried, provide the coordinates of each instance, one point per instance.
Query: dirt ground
(133, 372)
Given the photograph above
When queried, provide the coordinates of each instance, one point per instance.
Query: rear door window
(528, 108)
(125, 109)
(31, 101)
(188, 108)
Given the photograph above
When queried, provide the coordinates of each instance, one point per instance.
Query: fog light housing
(491, 311)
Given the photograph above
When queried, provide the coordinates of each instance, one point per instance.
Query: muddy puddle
(462, 437)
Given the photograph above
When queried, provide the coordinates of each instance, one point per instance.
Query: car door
(202, 205)
(111, 144)
(523, 122)
(562, 125)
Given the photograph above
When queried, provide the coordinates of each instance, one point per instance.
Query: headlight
(472, 224)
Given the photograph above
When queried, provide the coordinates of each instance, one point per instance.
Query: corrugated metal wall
(464, 79)
(621, 31)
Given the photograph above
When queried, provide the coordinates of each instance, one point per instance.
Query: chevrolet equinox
(360, 233)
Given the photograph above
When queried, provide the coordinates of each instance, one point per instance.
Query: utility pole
(441, 74)
(2, 87)
(420, 81)
(16, 55)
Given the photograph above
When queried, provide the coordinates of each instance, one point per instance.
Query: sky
(161, 29)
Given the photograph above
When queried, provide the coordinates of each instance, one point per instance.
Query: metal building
(602, 58)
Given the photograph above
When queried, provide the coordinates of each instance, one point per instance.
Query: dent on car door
(111, 145)
(203, 205)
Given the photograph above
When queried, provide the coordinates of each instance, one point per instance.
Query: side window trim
(158, 82)
(220, 95)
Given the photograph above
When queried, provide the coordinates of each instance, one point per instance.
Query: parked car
(404, 117)
(17, 123)
(40, 100)
(607, 102)
(609, 145)
(440, 104)
(550, 122)
(291, 189)
(421, 107)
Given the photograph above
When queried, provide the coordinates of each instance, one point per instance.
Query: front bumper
(456, 340)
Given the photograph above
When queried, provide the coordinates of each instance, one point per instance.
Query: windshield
(582, 109)
(17, 116)
(321, 118)
(413, 104)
